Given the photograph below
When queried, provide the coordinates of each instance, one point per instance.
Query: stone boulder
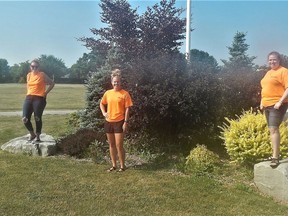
(44, 148)
(272, 181)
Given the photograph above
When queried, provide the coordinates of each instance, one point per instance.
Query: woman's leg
(27, 113)
(38, 106)
(112, 148)
(275, 140)
(119, 138)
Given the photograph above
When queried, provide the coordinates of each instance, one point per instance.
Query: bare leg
(275, 139)
(112, 148)
(119, 137)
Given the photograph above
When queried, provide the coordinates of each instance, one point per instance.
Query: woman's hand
(278, 105)
(125, 127)
(106, 116)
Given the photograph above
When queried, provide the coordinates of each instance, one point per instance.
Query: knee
(37, 118)
(24, 120)
(274, 130)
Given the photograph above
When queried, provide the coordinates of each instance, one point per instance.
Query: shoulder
(122, 91)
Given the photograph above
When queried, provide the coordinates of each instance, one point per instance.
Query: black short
(113, 127)
(274, 116)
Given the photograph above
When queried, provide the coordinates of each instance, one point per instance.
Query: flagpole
(188, 28)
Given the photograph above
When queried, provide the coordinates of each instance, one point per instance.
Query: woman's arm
(50, 84)
(126, 119)
(282, 99)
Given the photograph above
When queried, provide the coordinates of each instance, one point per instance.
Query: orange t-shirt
(36, 84)
(117, 102)
(273, 84)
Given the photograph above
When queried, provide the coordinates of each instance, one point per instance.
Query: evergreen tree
(239, 60)
(161, 28)
(98, 82)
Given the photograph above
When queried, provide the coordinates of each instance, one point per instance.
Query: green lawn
(63, 96)
(65, 186)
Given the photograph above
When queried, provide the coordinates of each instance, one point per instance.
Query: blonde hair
(115, 73)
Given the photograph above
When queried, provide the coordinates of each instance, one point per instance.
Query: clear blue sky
(32, 28)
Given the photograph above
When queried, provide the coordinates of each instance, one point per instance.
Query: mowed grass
(65, 186)
(62, 96)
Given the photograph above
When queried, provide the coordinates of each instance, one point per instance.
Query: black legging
(37, 105)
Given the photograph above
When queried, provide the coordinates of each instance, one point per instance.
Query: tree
(98, 82)
(161, 28)
(19, 71)
(239, 79)
(121, 30)
(52, 66)
(284, 60)
(4, 71)
(201, 61)
(239, 60)
(87, 63)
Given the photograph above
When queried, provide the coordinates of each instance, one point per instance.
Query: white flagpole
(188, 27)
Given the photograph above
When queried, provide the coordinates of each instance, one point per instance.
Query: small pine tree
(98, 82)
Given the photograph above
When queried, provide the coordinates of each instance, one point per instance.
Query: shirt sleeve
(128, 100)
(104, 99)
(285, 78)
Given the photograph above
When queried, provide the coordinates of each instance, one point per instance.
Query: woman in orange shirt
(35, 100)
(115, 105)
(274, 100)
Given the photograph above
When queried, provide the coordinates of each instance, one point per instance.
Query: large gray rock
(272, 181)
(46, 147)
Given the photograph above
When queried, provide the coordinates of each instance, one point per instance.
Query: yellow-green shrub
(247, 138)
(201, 160)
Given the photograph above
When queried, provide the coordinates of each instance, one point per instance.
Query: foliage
(121, 30)
(4, 71)
(240, 91)
(18, 72)
(98, 151)
(284, 61)
(201, 161)
(73, 121)
(239, 80)
(86, 64)
(202, 62)
(161, 28)
(239, 60)
(75, 144)
(98, 82)
(52, 66)
(247, 138)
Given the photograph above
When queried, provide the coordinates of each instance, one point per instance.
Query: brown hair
(35, 61)
(277, 54)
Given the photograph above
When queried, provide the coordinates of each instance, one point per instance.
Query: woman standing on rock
(274, 100)
(35, 100)
(115, 105)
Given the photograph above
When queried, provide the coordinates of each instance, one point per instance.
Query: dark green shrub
(75, 144)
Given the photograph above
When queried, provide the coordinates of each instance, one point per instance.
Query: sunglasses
(34, 67)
